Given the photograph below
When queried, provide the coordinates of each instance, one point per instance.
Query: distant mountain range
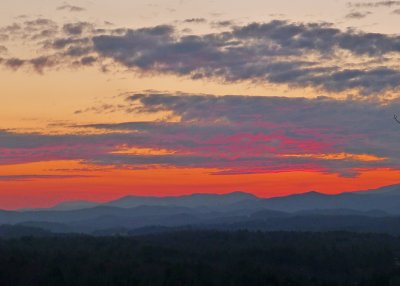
(369, 210)
(191, 201)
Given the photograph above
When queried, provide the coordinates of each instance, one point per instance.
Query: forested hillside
(203, 258)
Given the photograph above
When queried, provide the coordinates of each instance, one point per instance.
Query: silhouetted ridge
(373, 210)
(193, 200)
(72, 205)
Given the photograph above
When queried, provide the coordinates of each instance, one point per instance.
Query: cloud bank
(315, 55)
(229, 134)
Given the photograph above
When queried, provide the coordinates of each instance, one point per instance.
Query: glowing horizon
(102, 100)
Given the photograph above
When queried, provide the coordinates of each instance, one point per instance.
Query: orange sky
(109, 184)
(324, 121)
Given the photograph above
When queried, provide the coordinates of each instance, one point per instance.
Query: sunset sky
(102, 99)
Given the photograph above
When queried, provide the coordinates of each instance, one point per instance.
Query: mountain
(74, 205)
(392, 190)
(343, 212)
(385, 199)
(206, 201)
(210, 201)
(307, 211)
(12, 231)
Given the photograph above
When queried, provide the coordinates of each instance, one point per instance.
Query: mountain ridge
(214, 199)
(231, 210)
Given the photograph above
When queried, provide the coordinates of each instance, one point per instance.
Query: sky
(103, 99)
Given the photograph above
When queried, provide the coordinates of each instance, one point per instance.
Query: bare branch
(396, 118)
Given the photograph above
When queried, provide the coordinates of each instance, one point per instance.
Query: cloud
(34, 30)
(223, 24)
(3, 37)
(76, 29)
(375, 4)
(266, 127)
(229, 134)
(3, 49)
(70, 8)
(14, 63)
(315, 55)
(42, 62)
(255, 52)
(357, 15)
(195, 20)
(35, 177)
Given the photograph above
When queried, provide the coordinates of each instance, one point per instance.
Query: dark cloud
(233, 134)
(255, 52)
(70, 8)
(87, 61)
(14, 63)
(295, 39)
(278, 52)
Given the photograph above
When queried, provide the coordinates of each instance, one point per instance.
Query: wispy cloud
(374, 4)
(70, 8)
(36, 177)
(195, 20)
(3, 50)
(357, 15)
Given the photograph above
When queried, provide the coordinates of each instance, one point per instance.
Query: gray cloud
(278, 52)
(255, 52)
(14, 63)
(35, 30)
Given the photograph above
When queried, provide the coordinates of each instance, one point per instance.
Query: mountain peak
(240, 194)
(308, 194)
(314, 193)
